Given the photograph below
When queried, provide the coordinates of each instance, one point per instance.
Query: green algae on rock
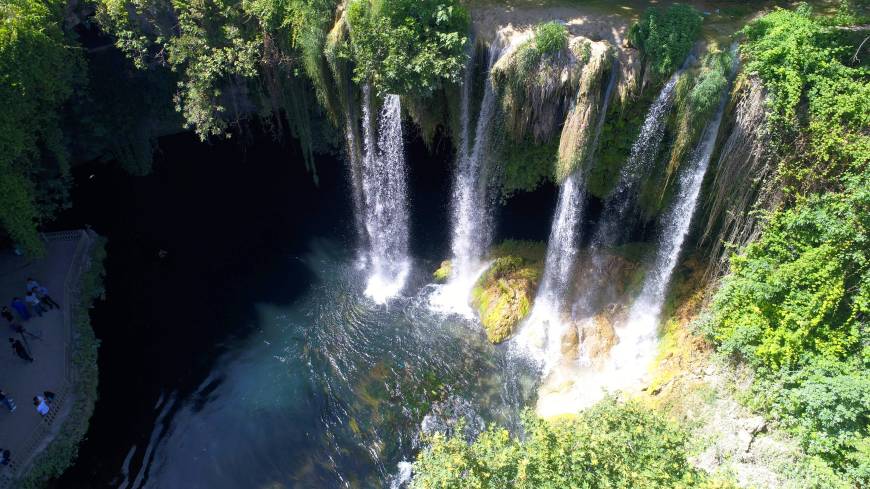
(443, 273)
(504, 294)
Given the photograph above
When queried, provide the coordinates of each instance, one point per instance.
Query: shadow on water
(237, 349)
(232, 220)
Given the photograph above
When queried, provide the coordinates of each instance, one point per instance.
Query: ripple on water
(333, 389)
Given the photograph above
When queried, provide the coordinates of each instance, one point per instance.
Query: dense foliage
(38, 71)
(796, 304)
(227, 54)
(611, 444)
(819, 97)
(665, 36)
(795, 308)
(408, 47)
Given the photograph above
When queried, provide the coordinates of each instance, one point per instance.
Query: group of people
(36, 301)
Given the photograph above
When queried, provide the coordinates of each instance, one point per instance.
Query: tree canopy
(39, 68)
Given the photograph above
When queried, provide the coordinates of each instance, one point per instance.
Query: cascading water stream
(640, 160)
(638, 336)
(612, 223)
(385, 200)
(472, 232)
(471, 207)
(562, 247)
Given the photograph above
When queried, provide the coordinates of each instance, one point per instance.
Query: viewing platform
(24, 432)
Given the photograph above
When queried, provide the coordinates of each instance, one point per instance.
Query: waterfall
(640, 160)
(638, 336)
(471, 205)
(542, 335)
(564, 238)
(384, 194)
(472, 232)
(615, 215)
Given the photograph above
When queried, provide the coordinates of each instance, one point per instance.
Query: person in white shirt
(41, 406)
(35, 304)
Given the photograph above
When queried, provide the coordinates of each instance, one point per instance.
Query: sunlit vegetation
(612, 444)
(408, 47)
(796, 304)
(665, 36)
(504, 294)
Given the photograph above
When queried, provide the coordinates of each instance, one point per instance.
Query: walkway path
(25, 432)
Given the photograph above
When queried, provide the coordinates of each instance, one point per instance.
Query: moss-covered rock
(504, 294)
(443, 273)
(582, 126)
(535, 86)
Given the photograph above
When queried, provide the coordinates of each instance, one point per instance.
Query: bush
(817, 97)
(551, 37)
(795, 308)
(611, 444)
(408, 47)
(665, 37)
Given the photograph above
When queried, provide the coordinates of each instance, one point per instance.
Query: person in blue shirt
(21, 308)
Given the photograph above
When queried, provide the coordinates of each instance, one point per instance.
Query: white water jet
(541, 335)
(638, 337)
(385, 200)
(471, 205)
(640, 161)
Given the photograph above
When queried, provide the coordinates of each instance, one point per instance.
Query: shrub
(551, 37)
(611, 444)
(795, 308)
(665, 37)
(818, 99)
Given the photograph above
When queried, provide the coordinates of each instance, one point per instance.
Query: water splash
(385, 200)
(638, 336)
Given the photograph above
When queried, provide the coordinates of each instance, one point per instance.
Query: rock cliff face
(740, 177)
(535, 90)
(583, 123)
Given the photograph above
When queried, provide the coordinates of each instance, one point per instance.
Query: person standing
(7, 315)
(42, 293)
(41, 406)
(21, 308)
(8, 401)
(19, 350)
(35, 304)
